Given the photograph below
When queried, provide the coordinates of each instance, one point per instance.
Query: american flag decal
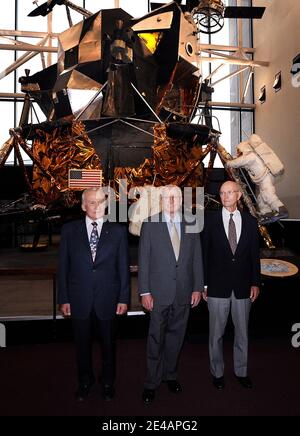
(85, 178)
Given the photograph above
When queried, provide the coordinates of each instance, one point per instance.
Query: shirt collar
(227, 214)
(176, 218)
(89, 221)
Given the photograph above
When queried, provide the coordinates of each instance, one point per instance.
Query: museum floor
(39, 380)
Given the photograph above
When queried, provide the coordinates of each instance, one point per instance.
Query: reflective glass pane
(7, 82)
(97, 5)
(7, 122)
(36, 24)
(7, 16)
(134, 8)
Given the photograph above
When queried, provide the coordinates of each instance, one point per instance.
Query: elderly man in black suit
(94, 286)
(170, 282)
(232, 277)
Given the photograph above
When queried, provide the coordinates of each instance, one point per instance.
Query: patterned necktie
(175, 239)
(94, 240)
(232, 234)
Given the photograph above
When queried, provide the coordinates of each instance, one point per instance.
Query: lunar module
(122, 99)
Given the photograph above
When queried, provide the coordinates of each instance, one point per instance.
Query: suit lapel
(165, 234)
(167, 238)
(220, 225)
(84, 240)
(103, 238)
(83, 236)
(182, 239)
(243, 234)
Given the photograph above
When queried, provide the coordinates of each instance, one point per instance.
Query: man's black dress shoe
(148, 396)
(245, 382)
(174, 386)
(83, 392)
(108, 392)
(219, 383)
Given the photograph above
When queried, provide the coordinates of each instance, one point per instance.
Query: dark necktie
(232, 234)
(94, 240)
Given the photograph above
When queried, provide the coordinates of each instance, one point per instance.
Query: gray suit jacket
(159, 273)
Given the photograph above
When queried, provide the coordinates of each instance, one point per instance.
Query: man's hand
(254, 293)
(195, 300)
(121, 309)
(204, 294)
(147, 302)
(65, 309)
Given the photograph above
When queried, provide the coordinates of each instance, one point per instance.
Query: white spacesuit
(263, 166)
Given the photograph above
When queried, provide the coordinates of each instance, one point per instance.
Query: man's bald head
(230, 193)
(231, 185)
(93, 203)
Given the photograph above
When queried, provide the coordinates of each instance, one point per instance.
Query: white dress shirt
(237, 218)
(89, 226)
(176, 220)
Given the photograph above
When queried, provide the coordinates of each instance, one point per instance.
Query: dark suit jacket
(98, 285)
(223, 271)
(159, 273)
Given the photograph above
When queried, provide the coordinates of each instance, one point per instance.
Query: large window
(231, 87)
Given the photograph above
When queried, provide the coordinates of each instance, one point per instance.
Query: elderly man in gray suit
(170, 282)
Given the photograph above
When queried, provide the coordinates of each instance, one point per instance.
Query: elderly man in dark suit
(170, 282)
(232, 276)
(94, 286)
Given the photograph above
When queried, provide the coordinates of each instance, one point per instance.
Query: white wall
(277, 40)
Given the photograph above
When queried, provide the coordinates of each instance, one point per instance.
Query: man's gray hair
(94, 188)
(165, 190)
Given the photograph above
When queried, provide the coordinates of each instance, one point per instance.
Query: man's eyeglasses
(227, 192)
(97, 202)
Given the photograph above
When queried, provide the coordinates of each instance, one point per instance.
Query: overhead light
(209, 16)
(277, 82)
(263, 95)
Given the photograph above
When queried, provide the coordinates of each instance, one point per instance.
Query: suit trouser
(83, 337)
(219, 309)
(165, 339)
